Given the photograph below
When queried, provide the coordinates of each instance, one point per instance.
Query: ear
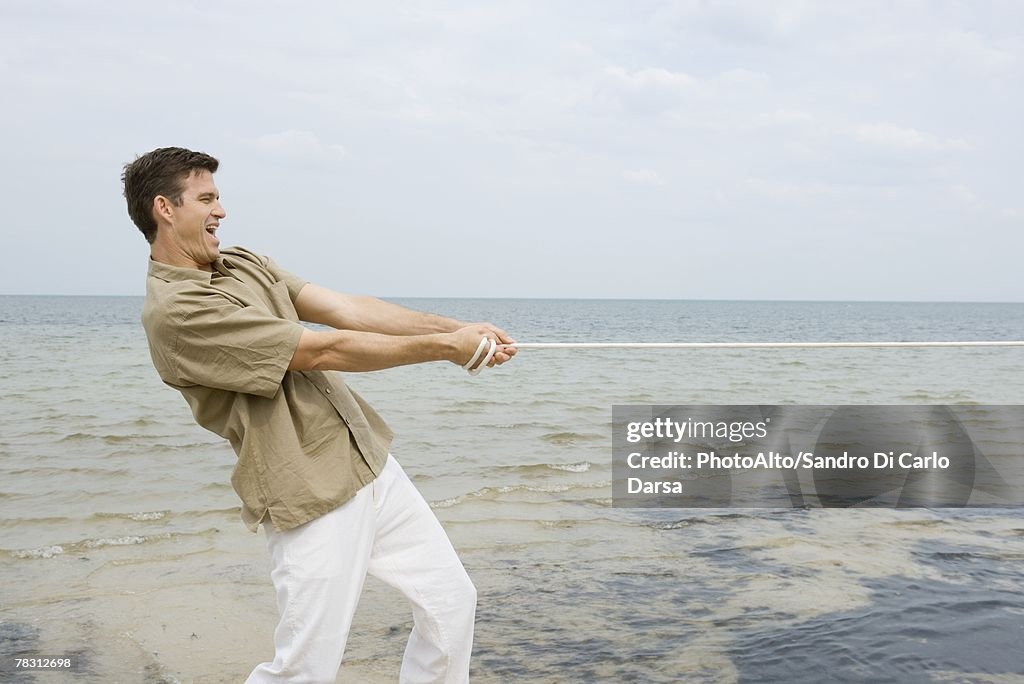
(163, 208)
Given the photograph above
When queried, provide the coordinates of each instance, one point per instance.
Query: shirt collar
(221, 267)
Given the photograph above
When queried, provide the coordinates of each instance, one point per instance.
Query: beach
(122, 545)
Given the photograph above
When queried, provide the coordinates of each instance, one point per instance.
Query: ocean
(121, 543)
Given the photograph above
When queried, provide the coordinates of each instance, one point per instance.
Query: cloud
(837, 114)
(297, 146)
(783, 117)
(645, 91)
(650, 78)
(743, 78)
(963, 194)
(891, 136)
(988, 54)
(788, 192)
(643, 177)
(741, 23)
(922, 50)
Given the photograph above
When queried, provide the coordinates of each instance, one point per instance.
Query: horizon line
(614, 299)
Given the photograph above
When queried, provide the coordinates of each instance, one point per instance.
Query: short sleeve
(294, 283)
(223, 345)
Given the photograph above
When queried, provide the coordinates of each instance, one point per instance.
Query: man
(313, 463)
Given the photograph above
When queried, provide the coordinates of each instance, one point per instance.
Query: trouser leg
(412, 553)
(318, 571)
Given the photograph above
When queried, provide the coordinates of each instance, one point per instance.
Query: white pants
(318, 569)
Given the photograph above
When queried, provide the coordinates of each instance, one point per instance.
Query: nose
(218, 211)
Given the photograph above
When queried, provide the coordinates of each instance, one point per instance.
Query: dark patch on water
(913, 628)
(602, 621)
(154, 675)
(17, 640)
(629, 641)
(21, 640)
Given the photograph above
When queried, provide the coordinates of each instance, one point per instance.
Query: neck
(175, 257)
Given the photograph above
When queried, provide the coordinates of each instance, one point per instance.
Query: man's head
(174, 202)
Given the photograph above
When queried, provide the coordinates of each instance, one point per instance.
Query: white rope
(755, 345)
(469, 366)
(476, 355)
(475, 370)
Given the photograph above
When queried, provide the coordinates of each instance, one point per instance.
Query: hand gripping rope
(469, 365)
(722, 345)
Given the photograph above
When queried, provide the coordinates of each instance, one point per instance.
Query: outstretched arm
(350, 350)
(372, 334)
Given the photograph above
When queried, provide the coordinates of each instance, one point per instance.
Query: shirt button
(328, 390)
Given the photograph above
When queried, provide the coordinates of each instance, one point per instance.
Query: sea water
(121, 544)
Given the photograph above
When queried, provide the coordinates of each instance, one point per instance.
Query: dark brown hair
(160, 172)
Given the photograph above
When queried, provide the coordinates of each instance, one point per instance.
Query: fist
(467, 341)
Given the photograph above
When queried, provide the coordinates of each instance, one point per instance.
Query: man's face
(194, 223)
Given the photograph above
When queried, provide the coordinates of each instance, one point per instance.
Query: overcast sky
(690, 150)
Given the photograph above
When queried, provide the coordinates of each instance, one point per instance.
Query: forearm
(355, 351)
(376, 315)
(367, 314)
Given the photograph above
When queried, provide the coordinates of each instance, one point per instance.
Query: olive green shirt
(305, 442)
